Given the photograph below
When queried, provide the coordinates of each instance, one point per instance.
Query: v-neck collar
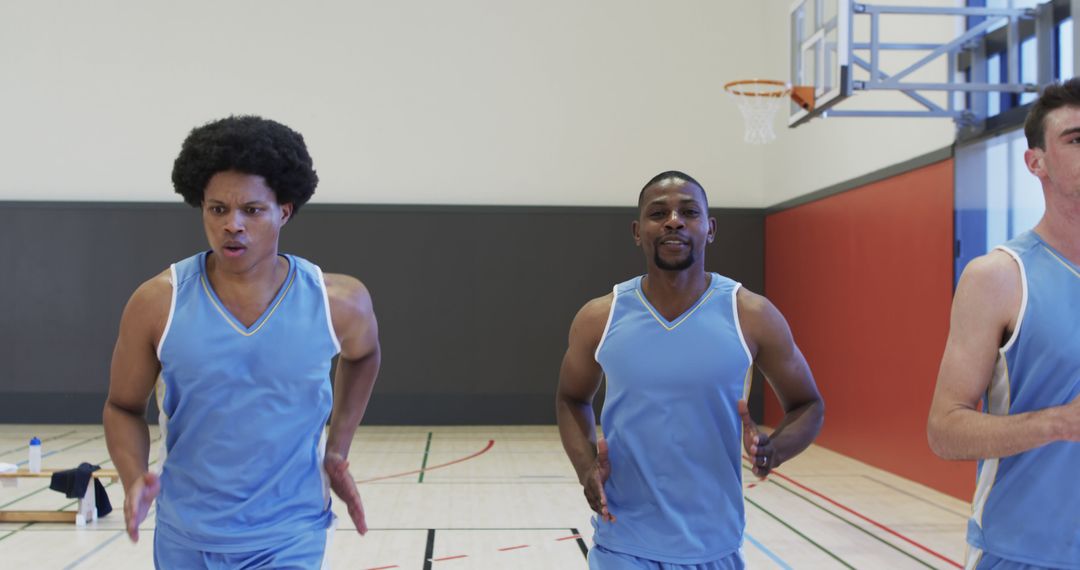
(671, 325)
(228, 316)
(1057, 254)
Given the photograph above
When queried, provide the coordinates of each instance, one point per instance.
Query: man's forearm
(353, 384)
(965, 434)
(128, 439)
(577, 429)
(797, 430)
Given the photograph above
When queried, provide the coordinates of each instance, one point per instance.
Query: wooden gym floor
(490, 497)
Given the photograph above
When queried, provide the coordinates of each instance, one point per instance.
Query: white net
(758, 102)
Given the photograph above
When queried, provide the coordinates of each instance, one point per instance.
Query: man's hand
(137, 501)
(758, 445)
(594, 482)
(344, 486)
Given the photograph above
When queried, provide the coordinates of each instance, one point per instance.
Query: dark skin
(242, 220)
(672, 230)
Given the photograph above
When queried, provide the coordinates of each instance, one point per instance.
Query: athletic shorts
(601, 558)
(305, 551)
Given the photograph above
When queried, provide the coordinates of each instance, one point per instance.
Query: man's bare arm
(353, 320)
(579, 379)
(984, 311)
(779, 359)
(134, 371)
(358, 364)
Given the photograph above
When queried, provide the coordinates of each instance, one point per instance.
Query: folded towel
(73, 482)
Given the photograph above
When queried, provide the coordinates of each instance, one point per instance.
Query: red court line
(445, 558)
(384, 567)
(865, 518)
(490, 444)
(513, 547)
(571, 537)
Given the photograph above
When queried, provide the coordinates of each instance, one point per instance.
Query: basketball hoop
(759, 99)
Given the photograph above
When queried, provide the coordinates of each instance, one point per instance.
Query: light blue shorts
(986, 561)
(305, 551)
(601, 558)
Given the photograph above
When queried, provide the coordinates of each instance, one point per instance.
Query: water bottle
(35, 456)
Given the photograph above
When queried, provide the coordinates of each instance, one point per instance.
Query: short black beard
(683, 265)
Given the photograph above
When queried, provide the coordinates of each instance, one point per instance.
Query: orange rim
(784, 88)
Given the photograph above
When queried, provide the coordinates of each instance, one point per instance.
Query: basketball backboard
(820, 35)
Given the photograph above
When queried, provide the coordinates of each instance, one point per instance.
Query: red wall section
(865, 280)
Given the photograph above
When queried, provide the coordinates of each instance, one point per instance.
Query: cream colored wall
(824, 152)
(559, 102)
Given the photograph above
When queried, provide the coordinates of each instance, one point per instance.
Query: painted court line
(868, 519)
(97, 549)
(429, 549)
(490, 444)
(964, 516)
(772, 556)
(423, 465)
(849, 523)
(454, 557)
(828, 552)
(43, 440)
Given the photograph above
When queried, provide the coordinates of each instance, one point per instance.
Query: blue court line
(97, 549)
(779, 562)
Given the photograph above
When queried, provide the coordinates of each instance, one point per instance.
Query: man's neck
(1060, 225)
(672, 292)
(252, 283)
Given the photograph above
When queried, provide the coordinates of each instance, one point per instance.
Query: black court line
(423, 466)
(581, 543)
(429, 550)
(964, 516)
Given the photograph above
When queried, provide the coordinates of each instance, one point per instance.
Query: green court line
(423, 465)
(856, 526)
(12, 532)
(21, 448)
(26, 496)
(804, 537)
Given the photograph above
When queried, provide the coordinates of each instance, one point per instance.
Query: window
(996, 197)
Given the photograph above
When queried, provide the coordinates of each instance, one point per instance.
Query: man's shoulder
(155, 291)
(346, 294)
(998, 271)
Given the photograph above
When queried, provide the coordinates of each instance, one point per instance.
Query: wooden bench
(87, 504)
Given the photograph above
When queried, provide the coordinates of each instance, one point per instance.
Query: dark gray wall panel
(474, 303)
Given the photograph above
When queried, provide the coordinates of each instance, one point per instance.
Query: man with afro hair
(238, 340)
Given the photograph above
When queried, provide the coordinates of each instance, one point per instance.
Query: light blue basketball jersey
(1027, 506)
(672, 426)
(242, 413)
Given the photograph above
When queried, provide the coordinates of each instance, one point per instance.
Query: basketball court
(505, 497)
(857, 155)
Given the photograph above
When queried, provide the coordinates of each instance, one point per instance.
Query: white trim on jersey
(172, 309)
(163, 423)
(329, 542)
(738, 325)
(326, 305)
(1023, 297)
(607, 325)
